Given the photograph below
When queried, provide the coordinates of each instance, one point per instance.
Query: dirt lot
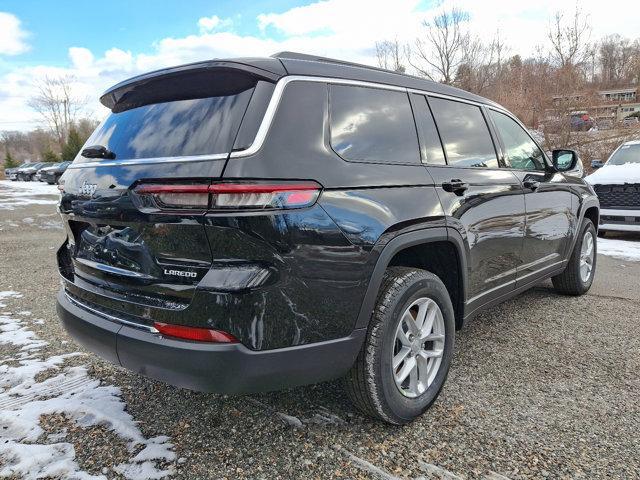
(543, 386)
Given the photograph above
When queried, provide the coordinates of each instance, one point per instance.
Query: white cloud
(209, 24)
(335, 28)
(12, 36)
(81, 57)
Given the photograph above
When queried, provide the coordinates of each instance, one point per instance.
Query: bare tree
(57, 104)
(616, 56)
(389, 54)
(481, 63)
(440, 52)
(569, 39)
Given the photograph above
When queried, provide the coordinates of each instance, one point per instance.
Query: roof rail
(317, 58)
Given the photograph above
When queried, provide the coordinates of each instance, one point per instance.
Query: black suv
(254, 224)
(52, 174)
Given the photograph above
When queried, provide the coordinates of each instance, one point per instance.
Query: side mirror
(597, 164)
(564, 160)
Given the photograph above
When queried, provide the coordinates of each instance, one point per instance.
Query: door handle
(455, 186)
(531, 184)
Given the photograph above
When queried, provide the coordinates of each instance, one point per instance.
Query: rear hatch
(124, 255)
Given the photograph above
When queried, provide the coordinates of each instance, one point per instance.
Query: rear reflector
(193, 333)
(221, 196)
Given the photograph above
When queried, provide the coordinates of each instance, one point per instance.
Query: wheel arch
(590, 209)
(406, 243)
(592, 212)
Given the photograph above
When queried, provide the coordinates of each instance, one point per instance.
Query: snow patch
(73, 393)
(19, 194)
(8, 294)
(34, 461)
(14, 333)
(624, 249)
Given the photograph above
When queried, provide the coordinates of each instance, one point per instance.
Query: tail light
(194, 333)
(232, 196)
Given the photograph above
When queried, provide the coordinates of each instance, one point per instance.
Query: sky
(101, 43)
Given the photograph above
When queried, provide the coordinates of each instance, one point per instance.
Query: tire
(371, 383)
(572, 281)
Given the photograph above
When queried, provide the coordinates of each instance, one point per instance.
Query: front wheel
(578, 276)
(406, 355)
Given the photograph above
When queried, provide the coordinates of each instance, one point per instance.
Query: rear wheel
(405, 358)
(578, 276)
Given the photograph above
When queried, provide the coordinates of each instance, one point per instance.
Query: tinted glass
(185, 127)
(430, 145)
(373, 125)
(521, 152)
(464, 133)
(626, 154)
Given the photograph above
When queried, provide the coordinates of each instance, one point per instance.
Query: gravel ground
(543, 386)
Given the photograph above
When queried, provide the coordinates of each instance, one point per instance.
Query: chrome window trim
(269, 115)
(152, 160)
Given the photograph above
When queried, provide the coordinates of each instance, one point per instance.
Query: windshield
(626, 154)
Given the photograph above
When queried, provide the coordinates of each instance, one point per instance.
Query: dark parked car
(52, 174)
(11, 173)
(28, 171)
(253, 224)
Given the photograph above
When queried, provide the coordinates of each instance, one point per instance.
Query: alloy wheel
(418, 347)
(587, 255)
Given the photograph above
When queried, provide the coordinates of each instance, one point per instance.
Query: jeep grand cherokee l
(254, 224)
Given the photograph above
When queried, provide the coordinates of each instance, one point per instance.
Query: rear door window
(521, 151)
(372, 125)
(465, 134)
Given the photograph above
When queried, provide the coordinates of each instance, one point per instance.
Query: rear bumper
(619, 220)
(220, 368)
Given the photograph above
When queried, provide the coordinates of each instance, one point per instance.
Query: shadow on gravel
(533, 380)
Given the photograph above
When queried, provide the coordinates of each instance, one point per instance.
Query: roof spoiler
(205, 79)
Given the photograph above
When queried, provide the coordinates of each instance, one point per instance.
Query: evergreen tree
(50, 156)
(72, 146)
(9, 161)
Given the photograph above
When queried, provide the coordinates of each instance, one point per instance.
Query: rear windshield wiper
(98, 151)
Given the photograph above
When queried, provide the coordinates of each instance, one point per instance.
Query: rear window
(199, 126)
(465, 134)
(372, 125)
